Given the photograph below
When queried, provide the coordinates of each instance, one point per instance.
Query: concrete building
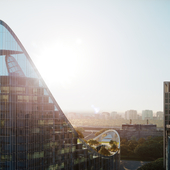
(34, 132)
(131, 114)
(159, 115)
(147, 114)
(139, 117)
(113, 115)
(135, 127)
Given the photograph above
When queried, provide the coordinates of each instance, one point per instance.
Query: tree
(114, 147)
(155, 165)
(112, 142)
(123, 141)
(124, 150)
(104, 151)
(151, 150)
(141, 141)
(92, 142)
(132, 145)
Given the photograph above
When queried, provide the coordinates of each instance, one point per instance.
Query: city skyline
(122, 114)
(104, 56)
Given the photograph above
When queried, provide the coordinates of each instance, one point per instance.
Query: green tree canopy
(104, 151)
(123, 141)
(92, 142)
(114, 147)
(141, 141)
(124, 150)
(152, 151)
(112, 142)
(155, 165)
(132, 145)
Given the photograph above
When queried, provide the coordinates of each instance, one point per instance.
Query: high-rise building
(166, 135)
(113, 115)
(147, 114)
(34, 132)
(159, 115)
(131, 114)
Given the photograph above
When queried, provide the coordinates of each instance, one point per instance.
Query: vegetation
(112, 142)
(113, 147)
(150, 148)
(104, 151)
(92, 142)
(155, 165)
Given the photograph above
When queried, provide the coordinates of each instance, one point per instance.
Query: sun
(58, 62)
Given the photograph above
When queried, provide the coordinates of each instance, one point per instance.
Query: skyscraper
(166, 135)
(34, 132)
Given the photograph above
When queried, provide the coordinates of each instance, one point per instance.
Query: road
(131, 165)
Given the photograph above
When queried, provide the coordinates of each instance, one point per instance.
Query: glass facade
(34, 132)
(166, 134)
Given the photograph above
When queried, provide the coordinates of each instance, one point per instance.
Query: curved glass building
(34, 132)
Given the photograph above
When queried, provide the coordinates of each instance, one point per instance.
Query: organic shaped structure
(34, 132)
(113, 136)
(106, 137)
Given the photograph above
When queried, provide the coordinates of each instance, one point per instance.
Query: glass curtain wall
(34, 132)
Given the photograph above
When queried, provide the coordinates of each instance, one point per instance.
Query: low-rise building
(135, 127)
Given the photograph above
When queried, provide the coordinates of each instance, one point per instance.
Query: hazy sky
(110, 55)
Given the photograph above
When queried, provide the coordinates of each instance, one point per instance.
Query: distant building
(131, 114)
(106, 115)
(99, 116)
(113, 115)
(135, 127)
(139, 117)
(119, 116)
(154, 118)
(159, 115)
(147, 114)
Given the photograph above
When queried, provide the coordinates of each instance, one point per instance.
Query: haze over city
(104, 55)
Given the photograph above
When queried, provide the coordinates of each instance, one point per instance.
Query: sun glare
(59, 62)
